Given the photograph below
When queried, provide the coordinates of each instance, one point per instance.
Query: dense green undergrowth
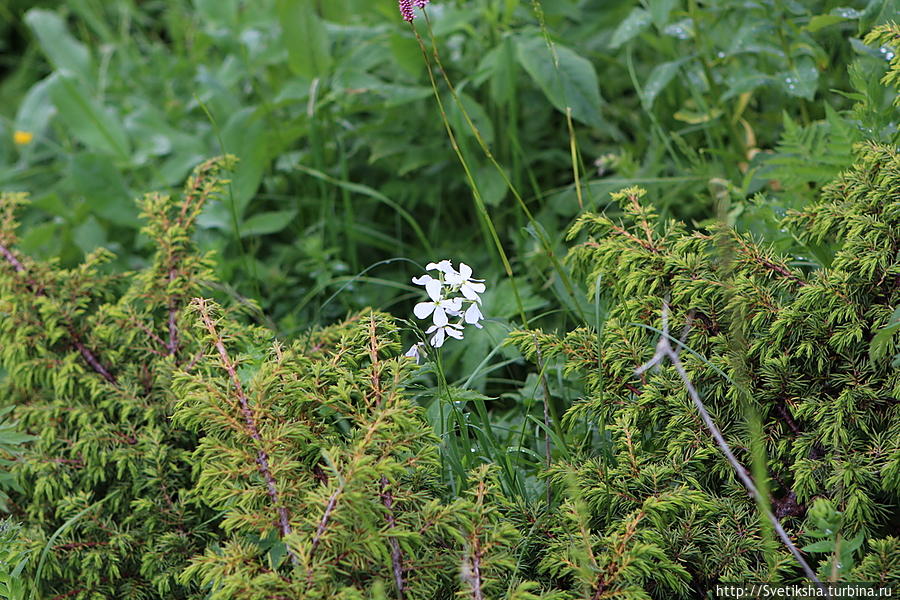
(198, 399)
(182, 453)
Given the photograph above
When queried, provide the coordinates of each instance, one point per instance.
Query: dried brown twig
(664, 350)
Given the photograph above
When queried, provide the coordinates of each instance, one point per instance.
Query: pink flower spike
(421, 3)
(406, 10)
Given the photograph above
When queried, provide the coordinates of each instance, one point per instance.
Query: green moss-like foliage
(89, 356)
(763, 338)
(182, 453)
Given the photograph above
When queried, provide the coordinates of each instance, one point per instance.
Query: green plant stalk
(737, 142)
(62, 529)
(573, 150)
(476, 193)
(657, 126)
(446, 436)
(235, 220)
(545, 242)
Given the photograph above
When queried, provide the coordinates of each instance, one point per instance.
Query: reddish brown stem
(78, 545)
(326, 516)
(11, 259)
(90, 359)
(396, 554)
(376, 365)
(88, 356)
(262, 458)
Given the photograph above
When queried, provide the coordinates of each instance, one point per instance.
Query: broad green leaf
(407, 54)
(659, 78)
(745, 80)
(36, 109)
(65, 53)
(822, 21)
(659, 11)
(850, 546)
(270, 222)
(96, 179)
(217, 12)
(477, 115)
(882, 341)
(305, 37)
(821, 546)
(357, 82)
(95, 126)
(498, 67)
(637, 21)
(570, 84)
(89, 235)
(44, 240)
(802, 80)
(491, 184)
(244, 136)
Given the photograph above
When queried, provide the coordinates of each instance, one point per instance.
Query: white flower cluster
(452, 295)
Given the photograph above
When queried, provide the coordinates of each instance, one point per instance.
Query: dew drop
(847, 13)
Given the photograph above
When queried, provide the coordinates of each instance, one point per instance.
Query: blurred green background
(721, 109)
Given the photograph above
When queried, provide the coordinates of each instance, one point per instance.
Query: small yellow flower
(23, 138)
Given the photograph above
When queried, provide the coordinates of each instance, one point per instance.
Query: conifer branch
(172, 345)
(11, 259)
(90, 359)
(396, 554)
(86, 354)
(320, 530)
(376, 364)
(610, 571)
(262, 458)
(664, 350)
(150, 333)
(766, 263)
(472, 562)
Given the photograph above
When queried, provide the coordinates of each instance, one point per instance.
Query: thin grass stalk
(479, 201)
(539, 231)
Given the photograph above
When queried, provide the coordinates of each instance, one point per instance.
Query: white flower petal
(453, 332)
(440, 317)
(423, 309)
(465, 271)
(444, 266)
(451, 303)
(423, 280)
(438, 340)
(469, 293)
(431, 329)
(478, 288)
(433, 288)
(414, 352)
(473, 315)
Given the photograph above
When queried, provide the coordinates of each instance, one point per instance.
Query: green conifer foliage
(327, 476)
(182, 453)
(761, 337)
(89, 357)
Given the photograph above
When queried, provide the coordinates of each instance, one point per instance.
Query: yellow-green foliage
(183, 453)
(763, 337)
